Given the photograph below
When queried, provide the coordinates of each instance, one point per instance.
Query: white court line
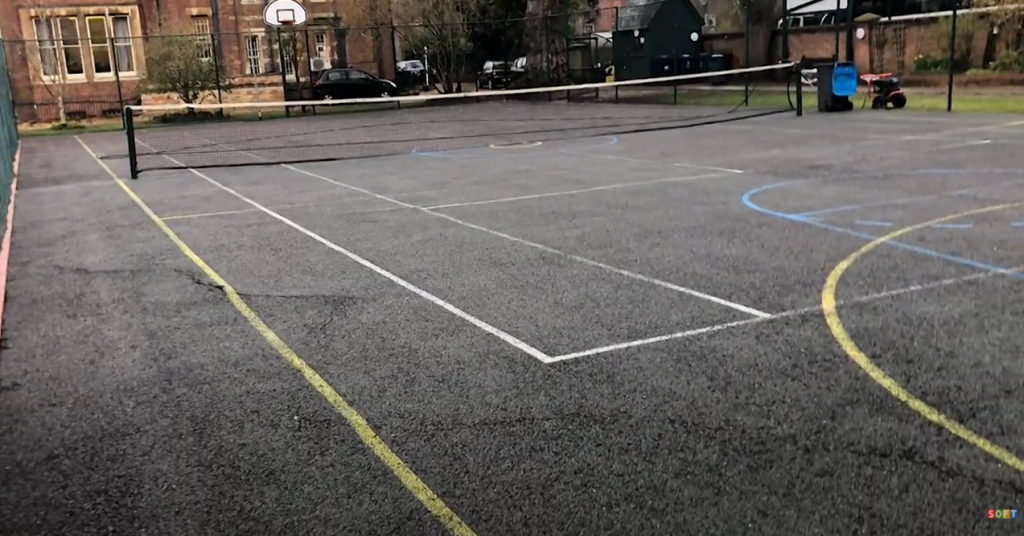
(513, 341)
(234, 212)
(885, 139)
(25, 189)
(583, 260)
(816, 133)
(630, 159)
(963, 144)
(580, 191)
(785, 314)
(632, 275)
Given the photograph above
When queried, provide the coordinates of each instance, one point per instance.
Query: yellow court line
(828, 304)
(516, 145)
(419, 489)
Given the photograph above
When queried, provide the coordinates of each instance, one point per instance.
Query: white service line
(632, 275)
(875, 140)
(513, 341)
(784, 314)
(963, 144)
(580, 191)
(657, 162)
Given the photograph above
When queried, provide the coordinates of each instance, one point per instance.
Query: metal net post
(129, 131)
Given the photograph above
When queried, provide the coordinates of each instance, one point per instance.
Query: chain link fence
(65, 76)
(8, 139)
(950, 54)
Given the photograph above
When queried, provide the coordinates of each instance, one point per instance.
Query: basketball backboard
(800, 7)
(284, 13)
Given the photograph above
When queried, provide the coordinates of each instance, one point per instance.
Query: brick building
(90, 54)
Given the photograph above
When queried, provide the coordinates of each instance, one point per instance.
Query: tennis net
(180, 136)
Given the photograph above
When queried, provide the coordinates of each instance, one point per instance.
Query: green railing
(8, 139)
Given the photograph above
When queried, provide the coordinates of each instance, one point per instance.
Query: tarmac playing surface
(785, 325)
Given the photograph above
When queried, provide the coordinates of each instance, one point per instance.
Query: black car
(352, 84)
(493, 75)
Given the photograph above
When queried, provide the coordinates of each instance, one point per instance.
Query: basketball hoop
(284, 13)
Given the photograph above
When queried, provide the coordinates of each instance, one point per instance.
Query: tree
(497, 31)
(180, 63)
(547, 31)
(1007, 22)
(441, 28)
(760, 16)
(377, 15)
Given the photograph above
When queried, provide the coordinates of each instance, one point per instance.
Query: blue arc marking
(874, 223)
(1017, 224)
(799, 218)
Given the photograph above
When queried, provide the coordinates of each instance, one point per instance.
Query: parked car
(519, 69)
(352, 84)
(494, 74)
(410, 74)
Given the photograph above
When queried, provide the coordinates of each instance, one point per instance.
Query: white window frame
(50, 50)
(320, 46)
(202, 30)
(122, 43)
(57, 47)
(118, 44)
(289, 62)
(107, 27)
(254, 54)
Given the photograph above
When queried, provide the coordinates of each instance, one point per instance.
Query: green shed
(645, 32)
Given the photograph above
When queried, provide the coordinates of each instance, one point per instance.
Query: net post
(799, 90)
(129, 130)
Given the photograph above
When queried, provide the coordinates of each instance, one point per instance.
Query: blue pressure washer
(837, 82)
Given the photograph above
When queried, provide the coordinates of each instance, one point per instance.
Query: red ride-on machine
(884, 91)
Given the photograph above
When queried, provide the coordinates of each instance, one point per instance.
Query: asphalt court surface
(614, 335)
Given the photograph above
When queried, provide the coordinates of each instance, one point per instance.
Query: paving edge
(5, 246)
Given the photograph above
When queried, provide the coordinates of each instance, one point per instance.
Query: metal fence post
(952, 58)
(284, 75)
(746, 53)
(216, 68)
(117, 80)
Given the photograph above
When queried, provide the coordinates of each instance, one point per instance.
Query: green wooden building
(646, 31)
